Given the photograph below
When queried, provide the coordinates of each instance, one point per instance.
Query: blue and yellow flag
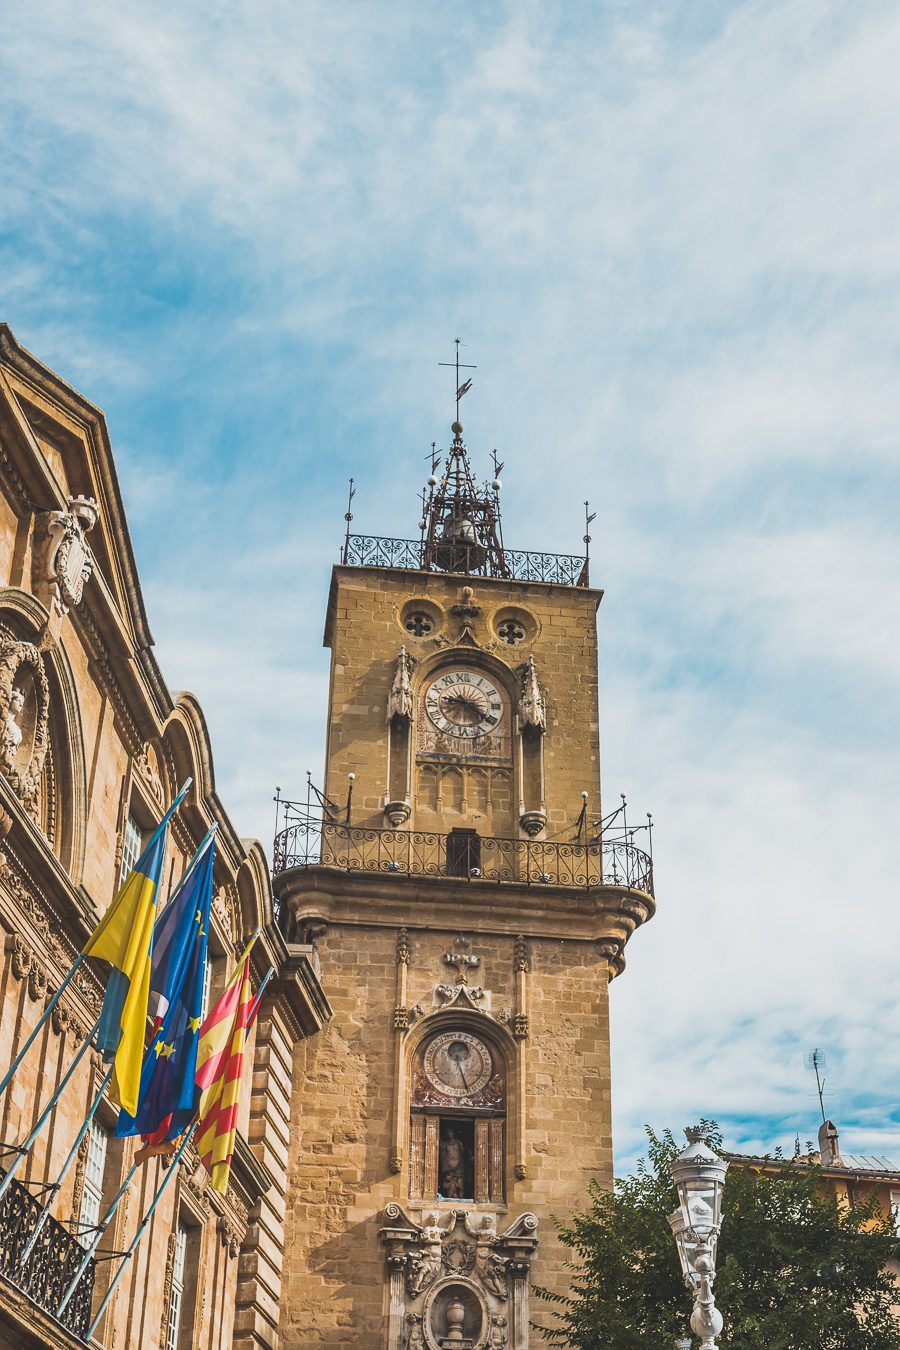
(124, 937)
(166, 1102)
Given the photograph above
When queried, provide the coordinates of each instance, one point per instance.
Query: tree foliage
(796, 1268)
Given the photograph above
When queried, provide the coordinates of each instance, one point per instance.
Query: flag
(166, 1102)
(172, 945)
(220, 1068)
(124, 937)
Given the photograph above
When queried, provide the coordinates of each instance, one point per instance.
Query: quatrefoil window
(419, 624)
(511, 631)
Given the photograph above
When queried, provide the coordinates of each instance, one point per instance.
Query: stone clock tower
(469, 905)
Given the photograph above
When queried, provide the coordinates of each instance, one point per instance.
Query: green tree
(796, 1269)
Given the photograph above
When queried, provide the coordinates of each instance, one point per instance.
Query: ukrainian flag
(124, 937)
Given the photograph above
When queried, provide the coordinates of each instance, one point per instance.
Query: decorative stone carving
(400, 699)
(533, 822)
(462, 960)
(168, 1279)
(397, 813)
(466, 612)
(415, 1336)
(404, 950)
(520, 1026)
(146, 765)
(532, 710)
(520, 957)
(497, 1339)
(24, 720)
(69, 560)
(494, 1272)
(422, 1269)
(231, 1235)
(457, 1283)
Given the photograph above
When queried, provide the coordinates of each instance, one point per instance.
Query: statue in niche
(415, 1336)
(12, 732)
(452, 1183)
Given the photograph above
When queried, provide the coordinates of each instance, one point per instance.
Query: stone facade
(92, 750)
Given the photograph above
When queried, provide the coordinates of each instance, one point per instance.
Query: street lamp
(699, 1177)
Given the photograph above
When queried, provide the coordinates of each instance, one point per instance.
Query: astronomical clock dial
(457, 1064)
(464, 704)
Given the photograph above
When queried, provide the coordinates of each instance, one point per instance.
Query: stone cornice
(295, 990)
(605, 913)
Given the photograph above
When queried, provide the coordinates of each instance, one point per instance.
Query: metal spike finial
(463, 387)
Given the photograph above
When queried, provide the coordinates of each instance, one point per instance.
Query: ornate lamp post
(699, 1177)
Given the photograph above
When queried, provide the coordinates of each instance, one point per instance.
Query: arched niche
(42, 753)
(456, 1128)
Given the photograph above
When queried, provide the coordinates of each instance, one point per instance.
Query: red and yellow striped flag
(220, 1069)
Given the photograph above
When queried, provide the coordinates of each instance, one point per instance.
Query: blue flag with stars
(166, 1100)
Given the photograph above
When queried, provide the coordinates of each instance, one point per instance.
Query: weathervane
(467, 384)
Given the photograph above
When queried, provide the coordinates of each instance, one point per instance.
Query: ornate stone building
(92, 749)
(431, 1078)
(469, 906)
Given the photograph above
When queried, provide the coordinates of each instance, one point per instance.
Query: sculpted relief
(456, 1282)
(24, 720)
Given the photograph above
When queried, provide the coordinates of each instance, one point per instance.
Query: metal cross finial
(467, 384)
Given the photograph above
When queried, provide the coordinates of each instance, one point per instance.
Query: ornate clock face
(464, 704)
(457, 1064)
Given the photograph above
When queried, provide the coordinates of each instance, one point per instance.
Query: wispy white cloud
(669, 235)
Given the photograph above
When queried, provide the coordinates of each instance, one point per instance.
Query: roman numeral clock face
(464, 704)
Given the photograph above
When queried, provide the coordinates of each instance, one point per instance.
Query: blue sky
(668, 234)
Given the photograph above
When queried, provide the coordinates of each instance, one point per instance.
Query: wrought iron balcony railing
(560, 569)
(52, 1264)
(465, 854)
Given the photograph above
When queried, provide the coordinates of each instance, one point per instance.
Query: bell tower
(469, 904)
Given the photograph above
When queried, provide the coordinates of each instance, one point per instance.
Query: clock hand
(461, 1074)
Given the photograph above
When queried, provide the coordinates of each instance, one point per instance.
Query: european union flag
(166, 1102)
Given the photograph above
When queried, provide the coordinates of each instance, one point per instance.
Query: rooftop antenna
(816, 1061)
(466, 385)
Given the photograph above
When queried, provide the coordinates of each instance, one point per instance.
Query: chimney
(829, 1148)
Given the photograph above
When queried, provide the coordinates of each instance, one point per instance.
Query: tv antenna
(816, 1061)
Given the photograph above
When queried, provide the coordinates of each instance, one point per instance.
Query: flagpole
(7, 1077)
(173, 1168)
(73, 1153)
(254, 1007)
(192, 865)
(99, 1229)
(22, 1150)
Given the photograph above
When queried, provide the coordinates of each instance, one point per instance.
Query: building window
(94, 1171)
(176, 1300)
(418, 623)
(895, 1211)
(131, 847)
(511, 632)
